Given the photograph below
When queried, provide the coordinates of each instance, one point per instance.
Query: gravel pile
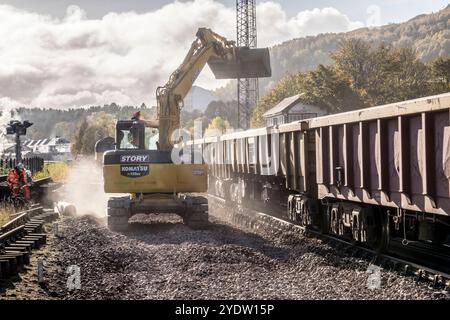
(163, 259)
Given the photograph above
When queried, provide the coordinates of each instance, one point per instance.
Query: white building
(54, 145)
(54, 149)
(292, 109)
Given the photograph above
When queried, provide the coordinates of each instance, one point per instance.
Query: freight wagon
(370, 176)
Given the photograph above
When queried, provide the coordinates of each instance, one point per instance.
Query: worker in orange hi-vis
(18, 182)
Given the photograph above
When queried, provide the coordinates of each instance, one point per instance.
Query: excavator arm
(226, 61)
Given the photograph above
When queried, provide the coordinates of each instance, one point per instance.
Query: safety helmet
(19, 167)
(136, 115)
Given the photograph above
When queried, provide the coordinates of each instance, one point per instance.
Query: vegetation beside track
(5, 213)
(57, 171)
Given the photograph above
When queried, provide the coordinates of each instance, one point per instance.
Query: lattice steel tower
(247, 89)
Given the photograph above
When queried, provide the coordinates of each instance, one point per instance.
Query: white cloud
(123, 57)
(305, 23)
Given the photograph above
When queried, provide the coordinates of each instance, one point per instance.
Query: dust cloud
(84, 188)
(5, 118)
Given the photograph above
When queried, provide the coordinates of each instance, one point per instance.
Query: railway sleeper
(18, 248)
(19, 256)
(42, 237)
(25, 255)
(33, 229)
(34, 244)
(4, 268)
(27, 246)
(12, 267)
(34, 224)
(18, 245)
(47, 217)
(38, 240)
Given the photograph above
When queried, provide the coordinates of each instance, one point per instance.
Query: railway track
(20, 236)
(254, 219)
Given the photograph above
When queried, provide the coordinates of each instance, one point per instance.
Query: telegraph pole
(247, 89)
(18, 149)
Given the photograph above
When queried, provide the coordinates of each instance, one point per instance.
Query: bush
(57, 171)
(5, 213)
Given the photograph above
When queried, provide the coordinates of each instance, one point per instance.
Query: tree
(410, 80)
(441, 71)
(97, 126)
(217, 126)
(78, 138)
(353, 60)
(288, 86)
(64, 129)
(361, 76)
(226, 110)
(326, 88)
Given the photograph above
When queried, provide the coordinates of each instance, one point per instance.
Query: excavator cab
(130, 135)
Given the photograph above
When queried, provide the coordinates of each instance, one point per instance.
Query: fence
(34, 164)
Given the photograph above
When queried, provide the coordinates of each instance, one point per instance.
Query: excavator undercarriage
(193, 209)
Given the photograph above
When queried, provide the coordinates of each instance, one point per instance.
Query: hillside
(52, 122)
(428, 35)
(198, 99)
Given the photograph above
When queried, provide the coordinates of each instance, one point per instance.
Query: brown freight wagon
(395, 158)
(368, 175)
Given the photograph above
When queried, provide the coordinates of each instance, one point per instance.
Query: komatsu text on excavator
(138, 161)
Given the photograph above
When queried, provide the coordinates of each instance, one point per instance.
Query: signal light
(18, 128)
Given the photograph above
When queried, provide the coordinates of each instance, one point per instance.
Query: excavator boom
(226, 62)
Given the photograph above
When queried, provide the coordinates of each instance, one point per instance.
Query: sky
(392, 10)
(69, 53)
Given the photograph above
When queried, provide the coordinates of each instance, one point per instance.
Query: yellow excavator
(139, 162)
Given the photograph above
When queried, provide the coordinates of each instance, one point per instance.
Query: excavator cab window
(151, 138)
(130, 135)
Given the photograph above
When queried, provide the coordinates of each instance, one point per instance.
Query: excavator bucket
(250, 63)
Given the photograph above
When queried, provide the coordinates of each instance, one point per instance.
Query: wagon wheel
(383, 232)
(325, 225)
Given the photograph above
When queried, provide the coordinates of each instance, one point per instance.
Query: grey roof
(283, 105)
(44, 142)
